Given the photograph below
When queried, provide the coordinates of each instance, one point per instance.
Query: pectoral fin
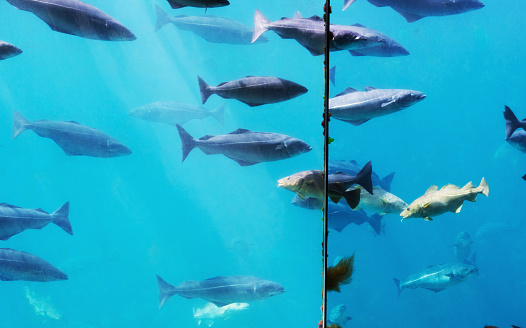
(427, 218)
(426, 205)
(457, 210)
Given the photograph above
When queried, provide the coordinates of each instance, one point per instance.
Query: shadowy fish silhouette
(17, 265)
(7, 50)
(211, 312)
(174, 113)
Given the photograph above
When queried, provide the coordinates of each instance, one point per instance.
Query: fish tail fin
(363, 178)
(332, 75)
(385, 183)
(512, 123)
(188, 142)
(347, 3)
(162, 18)
(219, 113)
(165, 291)
(397, 283)
(20, 124)
(60, 218)
(206, 90)
(376, 223)
(260, 25)
(352, 197)
(485, 187)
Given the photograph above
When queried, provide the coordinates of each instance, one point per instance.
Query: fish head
(8, 50)
(295, 147)
(462, 6)
(408, 98)
(338, 313)
(463, 272)
(292, 183)
(345, 39)
(116, 148)
(266, 289)
(464, 238)
(294, 89)
(118, 32)
(412, 211)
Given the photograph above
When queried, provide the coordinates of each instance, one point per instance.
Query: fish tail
(512, 123)
(60, 218)
(376, 223)
(352, 197)
(347, 3)
(206, 90)
(397, 282)
(260, 25)
(165, 291)
(485, 187)
(187, 141)
(332, 75)
(162, 18)
(219, 113)
(363, 178)
(20, 124)
(385, 183)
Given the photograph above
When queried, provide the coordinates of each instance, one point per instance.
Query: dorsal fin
(346, 91)
(297, 15)
(468, 185)
(450, 186)
(240, 131)
(206, 137)
(316, 18)
(369, 88)
(74, 122)
(358, 25)
(40, 210)
(9, 205)
(433, 188)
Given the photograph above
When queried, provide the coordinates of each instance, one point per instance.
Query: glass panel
(137, 215)
(467, 67)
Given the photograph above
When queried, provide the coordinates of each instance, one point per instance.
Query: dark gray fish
(75, 139)
(341, 215)
(176, 4)
(221, 290)
(438, 277)
(7, 50)
(413, 10)
(14, 219)
(211, 28)
(254, 90)
(76, 18)
(512, 123)
(17, 265)
(357, 107)
(363, 178)
(389, 48)
(352, 168)
(518, 140)
(174, 113)
(245, 147)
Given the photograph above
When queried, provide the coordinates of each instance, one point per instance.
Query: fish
(352, 168)
(176, 4)
(381, 202)
(332, 75)
(388, 48)
(18, 265)
(211, 312)
(14, 219)
(253, 90)
(413, 10)
(222, 290)
(245, 147)
(341, 215)
(448, 199)
(463, 246)
(512, 123)
(310, 33)
(438, 277)
(339, 316)
(174, 113)
(357, 107)
(74, 139)
(340, 274)
(7, 50)
(76, 18)
(211, 28)
(518, 140)
(311, 184)
(42, 305)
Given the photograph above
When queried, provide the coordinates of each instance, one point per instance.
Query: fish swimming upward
(7, 50)
(448, 199)
(74, 139)
(17, 265)
(244, 146)
(221, 290)
(14, 219)
(76, 18)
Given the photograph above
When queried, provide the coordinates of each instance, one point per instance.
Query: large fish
(352, 168)
(448, 199)
(381, 202)
(211, 28)
(310, 33)
(388, 48)
(512, 123)
(76, 18)
(14, 219)
(518, 140)
(357, 107)
(253, 90)
(413, 10)
(245, 147)
(174, 113)
(221, 290)
(438, 277)
(7, 50)
(74, 139)
(176, 4)
(463, 246)
(211, 312)
(17, 265)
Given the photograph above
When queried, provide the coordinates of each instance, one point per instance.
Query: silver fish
(17, 265)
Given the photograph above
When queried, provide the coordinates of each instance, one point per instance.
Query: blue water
(148, 213)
